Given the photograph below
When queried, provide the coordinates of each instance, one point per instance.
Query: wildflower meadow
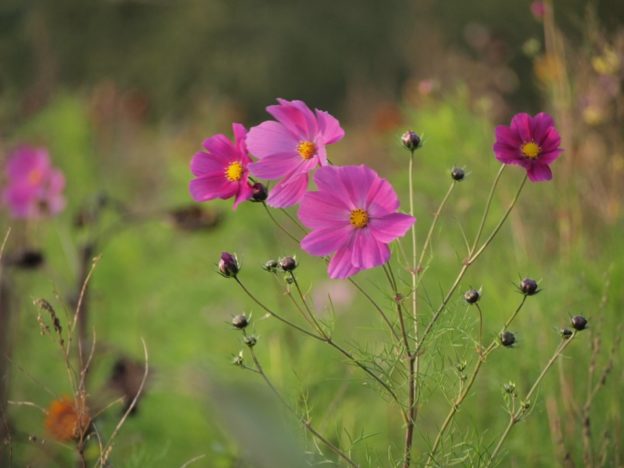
(379, 242)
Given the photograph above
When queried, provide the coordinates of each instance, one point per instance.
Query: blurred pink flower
(291, 147)
(34, 188)
(353, 215)
(530, 142)
(538, 9)
(221, 170)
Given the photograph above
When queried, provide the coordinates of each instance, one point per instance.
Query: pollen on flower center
(531, 150)
(359, 218)
(234, 172)
(306, 149)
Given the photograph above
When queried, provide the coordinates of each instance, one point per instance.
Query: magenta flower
(353, 216)
(221, 170)
(530, 142)
(34, 188)
(291, 147)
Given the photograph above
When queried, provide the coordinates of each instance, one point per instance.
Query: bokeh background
(123, 93)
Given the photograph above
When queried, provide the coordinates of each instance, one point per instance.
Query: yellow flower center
(234, 172)
(35, 176)
(358, 218)
(531, 150)
(306, 149)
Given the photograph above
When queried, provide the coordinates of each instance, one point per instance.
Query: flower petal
(288, 192)
(244, 193)
(329, 127)
(340, 265)
(326, 241)
(202, 163)
(297, 117)
(539, 173)
(390, 227)
(323, 210)
(275, 165)
(381, 198)
(220, 148)
(270, 138)
(212, 186)
(521, 124)
(367, 252)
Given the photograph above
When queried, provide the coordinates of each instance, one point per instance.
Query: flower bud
(457, 174)
(510, 388)
(472, 296)
(529, 287)
(259, 192)
(271, 266)
(288, 263)
(250, 340)
(566, 333)
(228, 265)
(507, 339)
(238, 359)
(579, 322)
(411, 140)
(240, 321)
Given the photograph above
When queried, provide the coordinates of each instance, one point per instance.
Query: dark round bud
(507, 339)
(250, 340)
(259, 192)
(472, 296)
(411, 140)
(457, 173)
(270, 266)
(566, 333)
(288, 263)
(240, 321)
(228, 265)
(579, 322)
(528, 287)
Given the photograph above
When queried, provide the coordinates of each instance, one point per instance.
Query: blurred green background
(123, 93)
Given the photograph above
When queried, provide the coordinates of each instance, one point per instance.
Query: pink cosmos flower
(291, 147)
(353, 216)
(530, 142)
(34, 188)
(221, 170)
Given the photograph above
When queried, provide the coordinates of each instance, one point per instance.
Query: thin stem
(469, 261)
(486, 211)
(315, 322)
(325, 339)
(411, 380)
(376, 306)
(277, 223)
(273, 314)
(525, 404)
(464, 390)
(294, 220)
(306, 423)
(434, 222)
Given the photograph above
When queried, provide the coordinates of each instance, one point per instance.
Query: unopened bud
(288, 263)
(228, 265)
(507, 339)
(579, 322)
(529, 287)
(457, 174)
(411, 140)
(259, 192)
(240, 321)
(472, 296)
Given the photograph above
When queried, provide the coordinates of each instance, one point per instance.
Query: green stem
(306, 423)
(525, 404)
(486, 211)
